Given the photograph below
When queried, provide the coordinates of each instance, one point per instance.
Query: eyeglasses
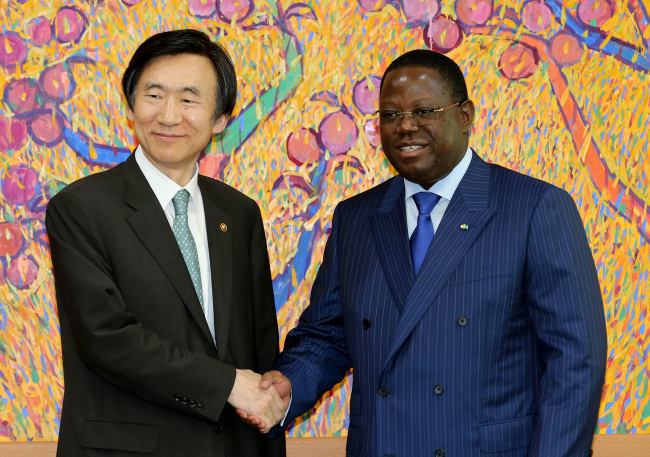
(418, 116)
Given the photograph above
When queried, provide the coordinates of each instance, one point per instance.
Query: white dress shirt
(165, 190)
(445, 188)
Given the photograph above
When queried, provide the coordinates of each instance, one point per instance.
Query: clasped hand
(256, 404)
(263, 406)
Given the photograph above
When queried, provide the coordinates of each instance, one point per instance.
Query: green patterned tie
(186, 241)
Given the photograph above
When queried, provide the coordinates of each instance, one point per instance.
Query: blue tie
(186, 241)
(423, 234)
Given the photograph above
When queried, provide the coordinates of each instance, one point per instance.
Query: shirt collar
(164, 187)
(447, 185)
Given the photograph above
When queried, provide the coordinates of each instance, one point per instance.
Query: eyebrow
(419, 103)
(191, 89)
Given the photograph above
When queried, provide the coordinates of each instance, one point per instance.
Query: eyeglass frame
(412, 117)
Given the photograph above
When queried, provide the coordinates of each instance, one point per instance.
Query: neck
(180, 177)
(180, 173)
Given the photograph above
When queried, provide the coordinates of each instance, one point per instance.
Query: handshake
(260, 401)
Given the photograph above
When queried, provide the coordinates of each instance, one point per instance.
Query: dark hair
(184, 41)
(448, 70)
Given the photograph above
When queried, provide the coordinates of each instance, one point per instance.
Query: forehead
(173, 71)
(413, 81)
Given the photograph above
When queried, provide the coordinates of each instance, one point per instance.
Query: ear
(220, 124)
(467, 111)
(129, 114)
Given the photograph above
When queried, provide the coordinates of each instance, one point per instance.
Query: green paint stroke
(243, 126)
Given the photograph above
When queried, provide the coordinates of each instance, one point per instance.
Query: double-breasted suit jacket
(142, 373)
(498, 348)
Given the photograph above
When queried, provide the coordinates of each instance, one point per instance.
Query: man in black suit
(162, 278)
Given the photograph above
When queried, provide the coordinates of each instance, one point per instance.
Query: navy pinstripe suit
(497, 349)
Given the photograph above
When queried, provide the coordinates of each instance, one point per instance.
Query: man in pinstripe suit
(497, 345)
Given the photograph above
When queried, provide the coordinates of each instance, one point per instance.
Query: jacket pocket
(120, 436)
(507, 435)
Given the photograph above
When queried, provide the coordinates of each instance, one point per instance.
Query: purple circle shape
(536, 16)
(45, 129)
(338, 132)
(474, 12)
(518, 61)
(372, 5)
(202, 8)
(229, 9)
(566, 49)
(442, 34)
(13, 134)
(19, 184)
(22, 271)
(420, 10)
(57, 82)
(366, 99)
(13, 50)
(69, 24)
(23, 96)
(11, 239)
(302, 146)
(41, 30)
(372, 133)
(594, 13)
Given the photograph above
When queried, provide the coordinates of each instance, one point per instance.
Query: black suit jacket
(142, 374)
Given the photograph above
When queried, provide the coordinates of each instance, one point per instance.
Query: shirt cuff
(287, 411)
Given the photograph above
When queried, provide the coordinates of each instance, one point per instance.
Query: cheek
(384, 137)
(199, 120)
(144, 116)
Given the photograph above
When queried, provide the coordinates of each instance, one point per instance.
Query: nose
(170, 113)
(405, 123)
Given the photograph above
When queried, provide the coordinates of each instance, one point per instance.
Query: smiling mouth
(165, 136)
(411, 150)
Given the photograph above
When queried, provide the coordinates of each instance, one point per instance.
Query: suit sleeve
(315, 355)
(566, 309)
(108, 338)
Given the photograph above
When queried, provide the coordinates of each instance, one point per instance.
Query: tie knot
(180, 201)
(425, 201)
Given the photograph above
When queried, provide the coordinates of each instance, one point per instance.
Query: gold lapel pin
(224, 227)
(464, 226)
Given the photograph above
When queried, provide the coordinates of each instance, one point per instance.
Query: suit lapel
(391, 238)
(151, 225)
(464, 219)
(219, 229)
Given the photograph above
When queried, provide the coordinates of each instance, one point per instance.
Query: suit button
(438, 389)
(383, 391)
(178, 398)
(365, 324)
(184, 401)
(462, 321)
(191, 404)
(199, 406)
(439, 453)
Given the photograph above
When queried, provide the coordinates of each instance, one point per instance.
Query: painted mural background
(562, 92)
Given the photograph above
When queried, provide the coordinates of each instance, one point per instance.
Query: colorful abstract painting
(562, 90)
